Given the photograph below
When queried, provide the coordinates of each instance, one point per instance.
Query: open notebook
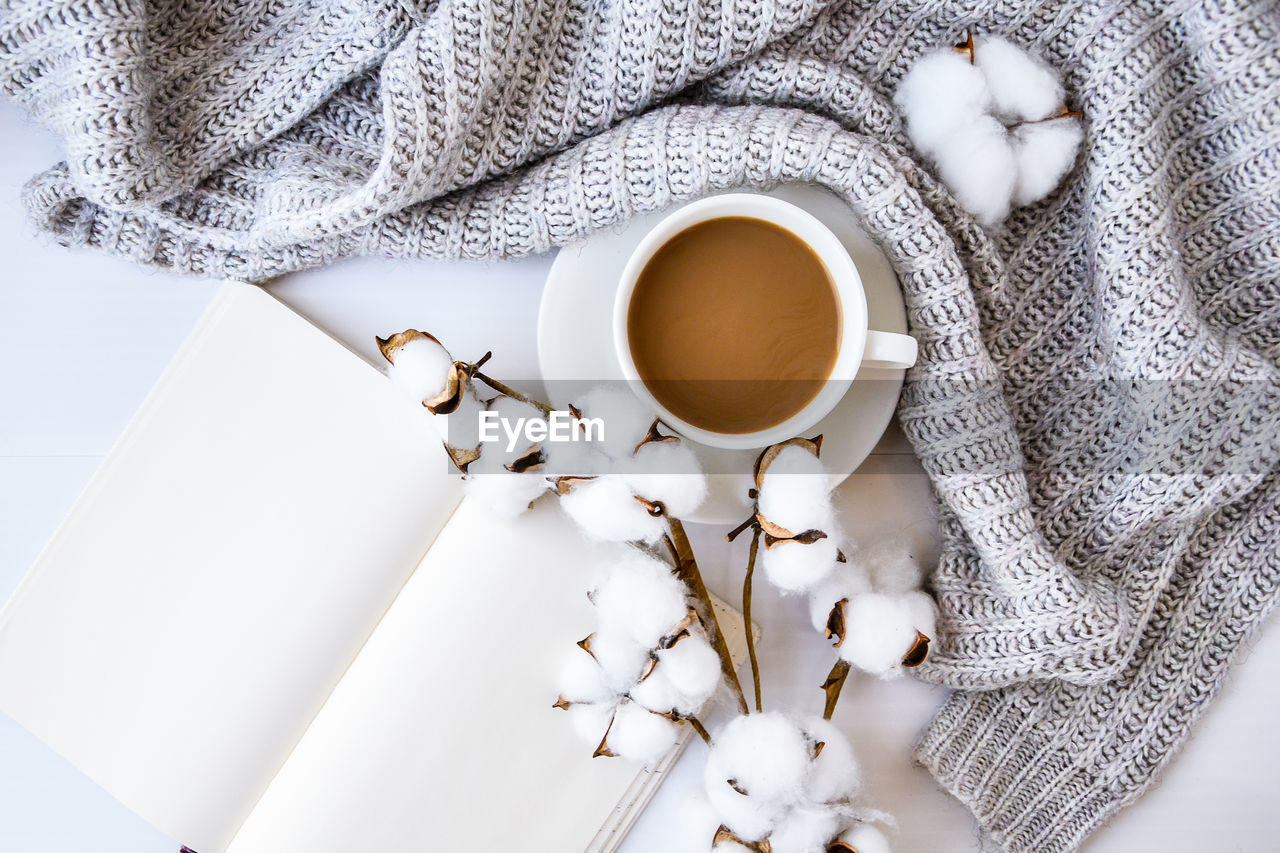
(270, 624)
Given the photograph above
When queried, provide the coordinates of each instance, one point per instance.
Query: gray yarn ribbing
(1097, 399)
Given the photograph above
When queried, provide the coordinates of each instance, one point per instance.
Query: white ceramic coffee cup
(859, 346)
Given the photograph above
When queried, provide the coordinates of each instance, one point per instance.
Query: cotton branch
(473, 372)
(687, 570)
(746, 615)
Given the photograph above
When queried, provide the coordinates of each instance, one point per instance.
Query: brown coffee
(734, 325)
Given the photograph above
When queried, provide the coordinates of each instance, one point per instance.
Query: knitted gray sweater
(1096, 399)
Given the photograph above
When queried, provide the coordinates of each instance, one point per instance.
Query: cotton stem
(733, 534)
(473, 371)
(687, 568)
(699, 728)
(746, 614)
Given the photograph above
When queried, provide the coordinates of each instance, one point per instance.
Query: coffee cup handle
(889, 350)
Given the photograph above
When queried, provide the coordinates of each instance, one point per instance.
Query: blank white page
(442, 735)
(223, 567)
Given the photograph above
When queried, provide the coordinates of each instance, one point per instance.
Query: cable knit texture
(1096, 399)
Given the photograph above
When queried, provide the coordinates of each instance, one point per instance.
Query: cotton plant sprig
(993, 118)
(869, 603)
(424, 370)
(783, 784)
(618, 497)
(767, 776)
(657, 655)
(794, 515)
(611, 491)
(658, 652)
(780, 784)
(648, 666)
(875, 612)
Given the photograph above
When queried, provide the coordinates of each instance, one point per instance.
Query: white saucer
(575, 344)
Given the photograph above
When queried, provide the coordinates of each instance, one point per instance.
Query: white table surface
(83, 337)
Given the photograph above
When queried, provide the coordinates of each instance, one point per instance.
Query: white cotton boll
(807, 829)
(845, 582)
(755, 771)
(621, 658)
(421, 369)
(766, 754)
(639, 735)
(820, 607)
(1045, 152)
(461, 427)
(582, 679)
(797, 566)
(956, 113)
(574, 459)
(693, 669)
(591, 721)
(924, 613)
(641, 598)
(1023, 87)
(865, 838)
(504, 495)
(795, 492)
(656, 692)
(977, 165)
(891, 567)
(879, 630)
(510, 414)
(626, 419)
(834, 775)
(511, 494)
(693, 816)
(667, 471)
(750, 818)
(940, 93)
(797, 461)
(607, 510)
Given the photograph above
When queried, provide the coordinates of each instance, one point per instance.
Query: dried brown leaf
(531, 461)
(808, 537)
(567, 483)
(462, 458)
(918, 652)
(835, 623)
(653, 436)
